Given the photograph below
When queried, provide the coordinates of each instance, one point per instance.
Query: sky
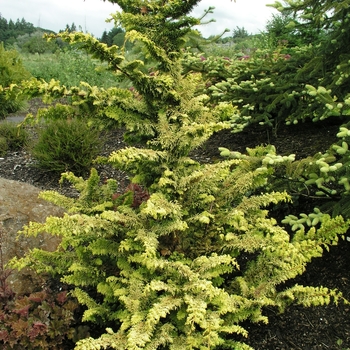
(91, 14)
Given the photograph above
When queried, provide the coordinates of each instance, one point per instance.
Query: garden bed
(326, 327)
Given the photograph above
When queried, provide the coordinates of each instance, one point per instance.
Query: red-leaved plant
(40, 320)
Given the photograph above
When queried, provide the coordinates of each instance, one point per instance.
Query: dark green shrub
(66, 145)
(11, 72)
(12, 137)
(3, 146)
(279, 82)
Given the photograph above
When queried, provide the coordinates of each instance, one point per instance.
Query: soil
(324, 327)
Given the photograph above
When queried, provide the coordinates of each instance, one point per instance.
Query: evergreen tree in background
(239, 33)
(115, 36)
(69, 28)
(10, 30)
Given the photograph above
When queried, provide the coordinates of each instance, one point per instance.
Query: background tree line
(27, 38)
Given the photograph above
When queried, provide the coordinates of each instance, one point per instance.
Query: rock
(19, 204)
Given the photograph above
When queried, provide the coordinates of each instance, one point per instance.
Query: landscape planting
(189, 251)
